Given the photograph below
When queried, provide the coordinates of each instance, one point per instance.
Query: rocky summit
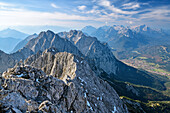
(27, 89)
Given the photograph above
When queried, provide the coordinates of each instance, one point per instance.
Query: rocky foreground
(27, 89)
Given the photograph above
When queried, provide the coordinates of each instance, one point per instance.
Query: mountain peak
(89, 26)
(12, 33)
(46, 33)
(88, 29)
(76, 31)
(105, 27)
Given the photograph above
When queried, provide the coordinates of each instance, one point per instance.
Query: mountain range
(22, 43)
(74, 73)
(7, 44)
(9, 38)
(137, 45)
(12, 33)
(122, 38)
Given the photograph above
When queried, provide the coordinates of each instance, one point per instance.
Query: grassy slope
(151, 99)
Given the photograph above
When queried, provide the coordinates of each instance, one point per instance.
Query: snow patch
(101, 98)
(85, 95)
(88, 104)
(20, 75)
(37, 80)
(77, 61)
(82, 81)
(53, 50)
(115, 110)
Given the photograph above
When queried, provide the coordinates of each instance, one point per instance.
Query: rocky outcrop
(49, 39)
(94, 50)
(6, 61)
(78, 90)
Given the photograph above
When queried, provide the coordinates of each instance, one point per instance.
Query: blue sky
(79, 13)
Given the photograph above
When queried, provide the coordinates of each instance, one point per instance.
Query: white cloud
(12, 16)
(107, 4)
(26, 17)
(156, 14)
(93, 0)
(131, 5)
(54, 6)
(129, 22)
(82, 7)
(5, 4)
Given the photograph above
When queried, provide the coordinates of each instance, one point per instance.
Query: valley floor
(150, 67)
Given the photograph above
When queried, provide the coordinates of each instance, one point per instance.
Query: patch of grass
(136, 52)
(148, 107)
(142, 58)
(152, 64)
(160, 70)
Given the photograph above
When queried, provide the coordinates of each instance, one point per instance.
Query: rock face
(48, 39)
(77, 90)
(99, 52)
(6, 61)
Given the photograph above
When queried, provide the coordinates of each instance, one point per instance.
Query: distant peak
(89, 26)
(35, 34)
(9, 29)
(105, 27)
(75, 31)
(143, 26)
(48, 32)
